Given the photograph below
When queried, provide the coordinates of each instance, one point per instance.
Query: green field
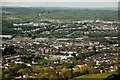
(44, 60)
(99, 76)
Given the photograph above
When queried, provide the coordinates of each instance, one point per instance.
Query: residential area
(59, 44)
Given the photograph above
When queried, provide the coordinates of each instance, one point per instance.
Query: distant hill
(61, 13)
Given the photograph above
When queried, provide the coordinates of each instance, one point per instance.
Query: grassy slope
(99, 76)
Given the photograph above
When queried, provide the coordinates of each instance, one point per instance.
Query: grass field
(44, 60)
(99, 76)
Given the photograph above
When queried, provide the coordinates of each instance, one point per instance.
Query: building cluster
(84, 27)
(61, 49)
(99, 59)
(31, 24)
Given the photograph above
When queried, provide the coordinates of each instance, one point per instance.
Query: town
(84, 51)
(59, 43)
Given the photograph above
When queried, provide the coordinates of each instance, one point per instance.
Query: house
(67, 57)
(41, 39)
(19, 38)
(5, 36)
(97, 62)
(19, 77)
(96, 42)
(20, 62)
(28, 64)
(62, 39)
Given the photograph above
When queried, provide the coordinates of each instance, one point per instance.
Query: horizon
(62, 4)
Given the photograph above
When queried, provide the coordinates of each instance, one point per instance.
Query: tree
(74, 54)
(24, 71)
(20, 72)
(116, 62)
(77, 62)
(94, 48)
(12, 63)
(9, 50)
(111, 63)
(83, 70)
(104, 64)
(65, 73)
(93, 71)
(16, 67)
(7, 77)
(75, 74)
(118, 70)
